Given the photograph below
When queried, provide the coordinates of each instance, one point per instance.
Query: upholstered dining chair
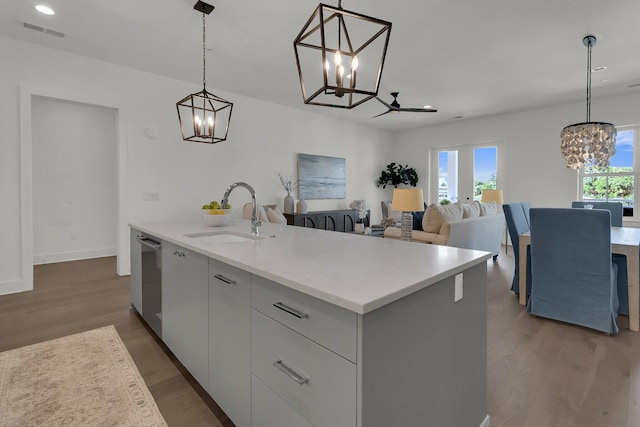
(620, 260)
(573, 279)
(614, 207)
(517, 216)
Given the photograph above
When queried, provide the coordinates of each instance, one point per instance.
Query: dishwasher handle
(150, 243)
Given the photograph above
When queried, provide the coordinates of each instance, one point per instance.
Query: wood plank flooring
(540, 372)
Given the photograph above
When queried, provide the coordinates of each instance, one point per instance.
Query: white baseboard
(13, 287)
(486, 422)
(73, 256)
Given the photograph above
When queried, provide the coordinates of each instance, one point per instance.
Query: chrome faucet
(255, 222)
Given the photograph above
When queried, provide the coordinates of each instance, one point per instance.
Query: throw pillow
(276, 217)
(417, 220)
(470, 210)
(435, 215)
(248, 207)
(489, 208)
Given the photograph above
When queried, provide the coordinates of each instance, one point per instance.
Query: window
(464, 172)
(617, 182)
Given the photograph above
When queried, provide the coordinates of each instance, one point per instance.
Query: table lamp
(492, 196)
(407, 200)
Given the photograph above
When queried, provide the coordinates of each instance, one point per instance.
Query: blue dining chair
(614, 207)
(573, 279)
(517, 217)
(620, 260)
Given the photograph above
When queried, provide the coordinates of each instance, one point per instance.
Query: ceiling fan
(394, 107)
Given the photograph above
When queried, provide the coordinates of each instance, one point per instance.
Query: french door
(461, 173)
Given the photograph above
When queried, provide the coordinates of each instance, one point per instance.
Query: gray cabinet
(136, 271)
(229, 341)
(185, 308)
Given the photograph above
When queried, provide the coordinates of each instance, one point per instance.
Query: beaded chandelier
(588, 143)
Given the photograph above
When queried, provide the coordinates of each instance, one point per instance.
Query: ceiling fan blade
(381, 114)
(419, 110)
(384, 103)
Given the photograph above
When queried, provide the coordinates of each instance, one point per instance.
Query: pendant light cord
(204, 54)
(590, 44)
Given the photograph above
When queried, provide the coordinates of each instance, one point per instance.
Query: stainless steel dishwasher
(151, 257)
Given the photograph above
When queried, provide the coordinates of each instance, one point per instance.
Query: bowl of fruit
(214, 215)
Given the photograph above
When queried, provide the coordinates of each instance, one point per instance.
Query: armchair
(573, 277)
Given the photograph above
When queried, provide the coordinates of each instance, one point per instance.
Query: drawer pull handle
(291, 311)
(290, 372)
(224, 279)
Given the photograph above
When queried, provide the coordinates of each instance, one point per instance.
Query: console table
(333, 220)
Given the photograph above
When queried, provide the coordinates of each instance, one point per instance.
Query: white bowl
(216, 220)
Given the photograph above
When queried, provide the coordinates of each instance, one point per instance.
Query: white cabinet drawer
(316, 382)
(330, 326)
(268, 410)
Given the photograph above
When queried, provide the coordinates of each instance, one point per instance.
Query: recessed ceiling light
(604, 81)
(45, 9)
(598, 69)
(427, 106)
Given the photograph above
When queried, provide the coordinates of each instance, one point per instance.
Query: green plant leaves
(396, 174)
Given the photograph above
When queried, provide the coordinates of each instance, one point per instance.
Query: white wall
(534, 170)
(263, 138)
(75, 193)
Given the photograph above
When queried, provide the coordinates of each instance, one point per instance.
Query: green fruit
(228, 206)
(205, 207)
(215, 205)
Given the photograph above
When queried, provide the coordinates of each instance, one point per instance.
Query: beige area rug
(86, 379)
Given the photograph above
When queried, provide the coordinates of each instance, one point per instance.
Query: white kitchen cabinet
(185, 308)
(229, 341)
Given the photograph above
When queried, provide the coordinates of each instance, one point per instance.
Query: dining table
(625, 241)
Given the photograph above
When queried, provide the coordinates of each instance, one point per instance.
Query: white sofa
(472, 225)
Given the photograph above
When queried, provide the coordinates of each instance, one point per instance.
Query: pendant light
(204, 117)
(588, 143)
(340, 56)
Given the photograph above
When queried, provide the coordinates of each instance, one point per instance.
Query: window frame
(635, 174)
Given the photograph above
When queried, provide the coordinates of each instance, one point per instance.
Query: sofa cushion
(489, 208)
(248, 208)
(416, 236)
(276, 217)
(470, 210)
(435, 215)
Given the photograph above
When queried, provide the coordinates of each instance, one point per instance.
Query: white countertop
(358, 273)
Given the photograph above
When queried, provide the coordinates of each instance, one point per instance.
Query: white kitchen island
(304, 327)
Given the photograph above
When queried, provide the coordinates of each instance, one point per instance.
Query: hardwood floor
(81, 295)
(540, 372)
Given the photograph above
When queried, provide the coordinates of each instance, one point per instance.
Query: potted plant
(396, 174)
(361, 207)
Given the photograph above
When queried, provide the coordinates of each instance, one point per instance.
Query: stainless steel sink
(223, 237)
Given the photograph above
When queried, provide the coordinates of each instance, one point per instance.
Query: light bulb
(341, 70)
(197, 120)
(354, 63)
(337, 59)
(326, 64)
(45, 9)
(210, 121)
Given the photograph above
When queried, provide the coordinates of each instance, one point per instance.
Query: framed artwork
(321, 177)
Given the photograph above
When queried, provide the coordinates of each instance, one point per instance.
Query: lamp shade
(407, 200)
(492, 196)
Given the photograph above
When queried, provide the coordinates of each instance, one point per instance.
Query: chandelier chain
(204, 54)
(590, 44)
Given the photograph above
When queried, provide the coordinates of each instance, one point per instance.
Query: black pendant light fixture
(588, 143)
(340, 56)
(204, 117)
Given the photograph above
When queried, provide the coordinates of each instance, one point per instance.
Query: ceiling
(467, 58)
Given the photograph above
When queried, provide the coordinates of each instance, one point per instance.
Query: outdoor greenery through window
(617, 182)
